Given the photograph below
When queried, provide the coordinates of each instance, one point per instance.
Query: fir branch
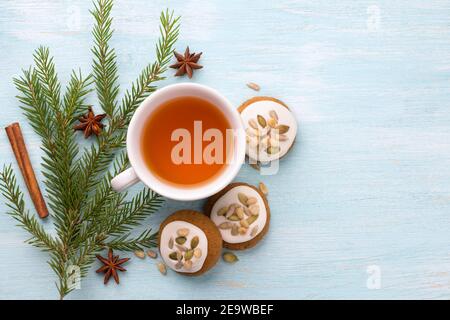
(127, 214)
(10, 190)
(104, 63)
(63, 192)
(142, 87)
(45, 67)
(35, 107)
(103, 197)
(40, 90)
(40, 116)
(58, 265)
(59, 170)
(39, 238)
(146, 239)
(97, 160)
(134, 211)
(86, 255)
(74, 98)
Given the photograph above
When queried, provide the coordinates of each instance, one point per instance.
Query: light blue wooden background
(368, 182)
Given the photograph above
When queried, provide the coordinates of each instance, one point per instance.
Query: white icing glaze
(230, 197)
(285, 116)
(170, 231)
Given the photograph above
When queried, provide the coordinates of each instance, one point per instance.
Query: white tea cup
(139, 171)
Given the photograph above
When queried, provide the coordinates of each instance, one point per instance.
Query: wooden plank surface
(364, 193)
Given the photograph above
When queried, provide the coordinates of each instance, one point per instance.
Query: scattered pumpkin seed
(272, 122)
(252, 123)
(188, 255)
(152, 254)
(174, 256)
(171, 243)
(255, 166)
(254, 209)
(273, 150)
(251, 200)
(222, 211)
(230, 257)
(197, 252)
(263, 188)
(234, 230)
(282, 128)
(252, 219)
(140, 254)
(180, 240)
(262, 122)
(188, 264)
(233, 217)
(253, 86)
(162, 268)
(194, 242)
(183, 232)
(242, 198)
(273, 114)
(254, 231)
(239, 212)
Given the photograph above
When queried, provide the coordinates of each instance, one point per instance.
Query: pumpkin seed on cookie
(197, 252)
(242, 198)
(180, 240)
(225, 225)
(222, 211)
(174, 256)
(183, 232)
(194, 242)
(262, 122)
(189, 254)
(252, 219)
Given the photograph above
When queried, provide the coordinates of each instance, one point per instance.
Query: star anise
(111, 265)
(187, 63)
(90, 123)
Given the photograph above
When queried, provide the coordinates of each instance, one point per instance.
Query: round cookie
(242, 214)
(270, 128)
(189, 242)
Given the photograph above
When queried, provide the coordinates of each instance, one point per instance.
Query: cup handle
(124, 180)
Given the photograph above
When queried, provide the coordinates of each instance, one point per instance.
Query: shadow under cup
(186, 142)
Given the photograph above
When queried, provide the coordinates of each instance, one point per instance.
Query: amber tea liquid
(157, 145)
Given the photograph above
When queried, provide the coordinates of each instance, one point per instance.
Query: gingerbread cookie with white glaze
(270, 128)
(242, 214)
(189, 242)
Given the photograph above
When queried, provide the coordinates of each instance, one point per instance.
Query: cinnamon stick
(20, 152)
